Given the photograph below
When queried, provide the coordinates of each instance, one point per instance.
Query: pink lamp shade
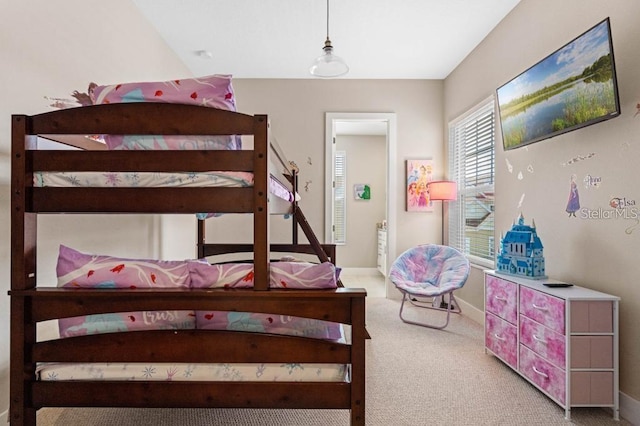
(442, 190)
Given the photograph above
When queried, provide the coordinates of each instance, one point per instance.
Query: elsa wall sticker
(573, 205)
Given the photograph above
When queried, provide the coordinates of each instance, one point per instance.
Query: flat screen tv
(573, 87)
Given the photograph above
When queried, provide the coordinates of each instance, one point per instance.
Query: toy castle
(521, 252)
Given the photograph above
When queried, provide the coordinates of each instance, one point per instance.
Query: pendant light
(328, 65)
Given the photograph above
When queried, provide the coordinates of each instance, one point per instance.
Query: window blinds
(472, 166)
(340, 198)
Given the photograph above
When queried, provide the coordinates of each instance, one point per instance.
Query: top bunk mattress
(156, 180)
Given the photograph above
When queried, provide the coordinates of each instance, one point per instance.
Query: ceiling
(379, 39)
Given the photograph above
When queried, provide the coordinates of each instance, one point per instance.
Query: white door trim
(392, 194)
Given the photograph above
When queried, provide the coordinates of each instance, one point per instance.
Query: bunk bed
(32, 303)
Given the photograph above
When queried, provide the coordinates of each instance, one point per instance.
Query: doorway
(381, 126)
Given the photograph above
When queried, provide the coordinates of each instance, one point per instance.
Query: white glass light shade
(328, 65)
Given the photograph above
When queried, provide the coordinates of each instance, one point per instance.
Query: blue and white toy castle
(521, 252)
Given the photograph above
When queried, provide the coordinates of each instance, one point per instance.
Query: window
(472, 166)
(340, 198)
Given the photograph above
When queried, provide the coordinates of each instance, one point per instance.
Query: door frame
(392, 194)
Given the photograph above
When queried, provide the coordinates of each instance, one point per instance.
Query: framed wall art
(361, 191)
(419, 174)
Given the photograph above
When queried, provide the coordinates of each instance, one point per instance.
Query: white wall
(297, 111)
(51, 50)
(599, 254)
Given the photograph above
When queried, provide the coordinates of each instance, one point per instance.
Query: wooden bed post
(201, 239)
(23, 263)
(261, 253)
(358, 359)
(294, 224)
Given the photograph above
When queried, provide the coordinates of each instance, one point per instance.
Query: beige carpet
(415, 376)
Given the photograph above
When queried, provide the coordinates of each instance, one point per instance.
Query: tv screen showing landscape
(572, 88)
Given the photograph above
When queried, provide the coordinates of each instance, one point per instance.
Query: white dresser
(382, 251)
(564, 340)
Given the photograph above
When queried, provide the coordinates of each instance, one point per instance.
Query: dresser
(382, 251)
(564, 340)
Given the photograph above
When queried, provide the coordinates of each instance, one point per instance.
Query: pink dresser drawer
(501, 339)
(542, 308)
(501, 298)
(545, 375)
(543, 341)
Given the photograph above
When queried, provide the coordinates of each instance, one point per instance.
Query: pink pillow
(126, 321)
(298, 275)
(267, 323)
(214, 91)
(76, 269)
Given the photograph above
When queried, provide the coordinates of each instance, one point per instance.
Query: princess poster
(419, 174)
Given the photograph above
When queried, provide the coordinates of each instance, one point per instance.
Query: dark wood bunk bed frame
(31, 304)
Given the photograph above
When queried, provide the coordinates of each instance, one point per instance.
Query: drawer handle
(500, 298)
(540, 308)
(497, 336)
(546, 376)
(537, 339)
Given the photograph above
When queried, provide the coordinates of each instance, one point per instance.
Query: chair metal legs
(452, 306)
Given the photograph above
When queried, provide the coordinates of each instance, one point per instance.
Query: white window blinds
(340, 199)
(472, 166)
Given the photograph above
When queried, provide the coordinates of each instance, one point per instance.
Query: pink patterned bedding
(214, 91)
(79, 270)
(292, 275)
(126, 321)
(267, 323)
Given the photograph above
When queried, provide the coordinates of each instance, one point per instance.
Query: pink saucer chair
(427, 275)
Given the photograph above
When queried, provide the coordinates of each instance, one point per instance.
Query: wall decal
(624, 149)
(530, 168)
(592, 181)
(61, 103)
(573, 205)
(307, 186)
(521, 200)
(638, 110)
(578, 158)
(520, 176)
(632, 228)
(309, 161)
(509, 166)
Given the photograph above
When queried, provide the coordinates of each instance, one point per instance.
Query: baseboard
(360, 271)
(471, 311)
(629, 409)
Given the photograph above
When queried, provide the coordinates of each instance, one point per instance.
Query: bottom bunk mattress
(217, 372)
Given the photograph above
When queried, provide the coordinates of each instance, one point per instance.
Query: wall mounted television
(572, 88)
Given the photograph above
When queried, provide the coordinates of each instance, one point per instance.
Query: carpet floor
(415, 376)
